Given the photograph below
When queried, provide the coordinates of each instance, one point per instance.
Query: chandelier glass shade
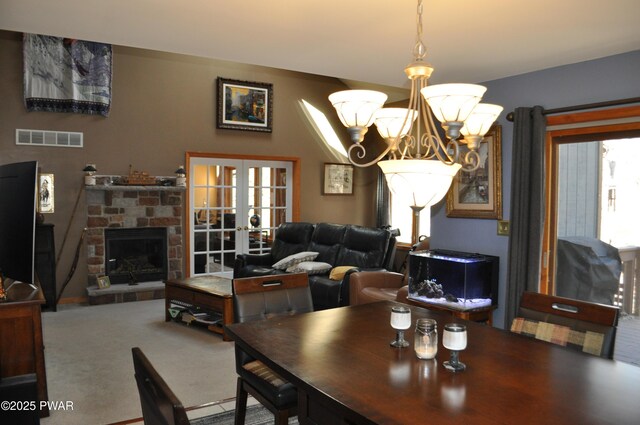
(418, 164)
(406, 179)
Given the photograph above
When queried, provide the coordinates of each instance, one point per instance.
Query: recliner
(363, 248)
(261, 298)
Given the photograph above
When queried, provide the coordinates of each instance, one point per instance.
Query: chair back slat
(159, 404)
(259, 298)
(247, 285)
(572, 309)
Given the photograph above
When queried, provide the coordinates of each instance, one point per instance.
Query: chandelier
(417, 163)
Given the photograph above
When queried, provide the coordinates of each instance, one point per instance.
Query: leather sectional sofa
(351, 247)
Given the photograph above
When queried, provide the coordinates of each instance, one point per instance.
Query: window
(592, 241)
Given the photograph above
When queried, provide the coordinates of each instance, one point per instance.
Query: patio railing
(628, 297)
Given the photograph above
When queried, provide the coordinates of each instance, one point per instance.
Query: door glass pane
(598, 186)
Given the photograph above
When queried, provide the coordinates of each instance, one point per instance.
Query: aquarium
(458, 280)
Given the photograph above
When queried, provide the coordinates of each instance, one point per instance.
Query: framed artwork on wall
(46, 195)
(478, 194)
(245, 105)
(338, 179)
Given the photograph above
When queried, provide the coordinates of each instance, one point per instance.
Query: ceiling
(355, 40)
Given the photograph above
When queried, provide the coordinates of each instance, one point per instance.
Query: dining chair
(261, 298)
(160, 406)
(578, 325)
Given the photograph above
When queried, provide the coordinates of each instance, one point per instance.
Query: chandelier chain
(419, 50)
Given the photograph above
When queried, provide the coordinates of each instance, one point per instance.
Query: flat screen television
(18, 201)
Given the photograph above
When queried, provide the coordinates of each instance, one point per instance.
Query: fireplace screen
(136, 255)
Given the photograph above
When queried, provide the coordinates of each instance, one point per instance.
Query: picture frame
(103, 282)
(338, 179)
(244, 105)
(46, 193)
(478, 194)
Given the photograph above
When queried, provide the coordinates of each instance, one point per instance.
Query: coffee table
(212, 293)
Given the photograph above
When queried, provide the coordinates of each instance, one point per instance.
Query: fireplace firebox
(135, 254)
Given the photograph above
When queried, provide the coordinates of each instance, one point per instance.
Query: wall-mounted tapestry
(66, 75)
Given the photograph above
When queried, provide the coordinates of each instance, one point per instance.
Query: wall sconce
(89, 177)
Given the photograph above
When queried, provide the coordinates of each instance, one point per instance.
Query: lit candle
(400, 318)
(426, 352)
(454, 337)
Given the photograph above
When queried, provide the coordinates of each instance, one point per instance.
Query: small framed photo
(478, 194)
(104, 282)
(45, 194)
(245, 105)
(338, 179)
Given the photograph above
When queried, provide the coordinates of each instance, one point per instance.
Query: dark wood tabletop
(341, 361)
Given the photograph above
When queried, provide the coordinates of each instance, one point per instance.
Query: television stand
(22, 348)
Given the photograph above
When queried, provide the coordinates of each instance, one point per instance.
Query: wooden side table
(21, 345)
(211, 293)
(482, 314)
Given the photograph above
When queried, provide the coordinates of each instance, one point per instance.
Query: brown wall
(164, 105)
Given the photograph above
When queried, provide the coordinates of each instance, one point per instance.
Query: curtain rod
(619, 102)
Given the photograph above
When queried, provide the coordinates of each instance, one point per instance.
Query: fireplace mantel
(123, 188)
(104, 182)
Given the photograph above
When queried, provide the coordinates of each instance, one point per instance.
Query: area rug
(256, 415)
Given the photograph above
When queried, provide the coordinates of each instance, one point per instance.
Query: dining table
(346, 372)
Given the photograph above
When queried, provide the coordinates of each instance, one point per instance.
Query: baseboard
(74, 300)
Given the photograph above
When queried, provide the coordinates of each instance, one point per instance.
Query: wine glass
(400, 321)
(454, 338)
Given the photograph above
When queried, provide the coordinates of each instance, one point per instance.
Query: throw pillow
(294, 259)
(337, 273)
(310, 267)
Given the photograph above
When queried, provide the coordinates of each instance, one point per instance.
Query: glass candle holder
(454, 338)
(400, 321)
(425, 342)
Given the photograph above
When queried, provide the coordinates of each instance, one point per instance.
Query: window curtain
(527, 206)
(383, 205)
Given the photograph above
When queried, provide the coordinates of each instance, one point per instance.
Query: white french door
(235, 205)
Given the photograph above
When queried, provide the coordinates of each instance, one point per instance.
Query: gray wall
(615, 77)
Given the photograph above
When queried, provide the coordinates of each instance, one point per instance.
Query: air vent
(65, 139)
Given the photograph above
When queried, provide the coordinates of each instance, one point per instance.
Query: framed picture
(338, 179)
(103, 282)
(478, 194)
(244, 105)
(46, 198)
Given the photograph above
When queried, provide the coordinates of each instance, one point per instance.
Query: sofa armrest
(378, 279)
(243, 260)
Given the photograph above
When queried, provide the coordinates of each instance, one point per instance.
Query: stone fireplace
(143, 210)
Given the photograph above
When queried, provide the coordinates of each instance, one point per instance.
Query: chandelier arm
(471, 161)
(361, 154)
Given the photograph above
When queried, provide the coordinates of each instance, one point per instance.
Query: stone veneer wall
(130, 207)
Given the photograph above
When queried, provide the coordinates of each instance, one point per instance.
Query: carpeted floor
(88, 360)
